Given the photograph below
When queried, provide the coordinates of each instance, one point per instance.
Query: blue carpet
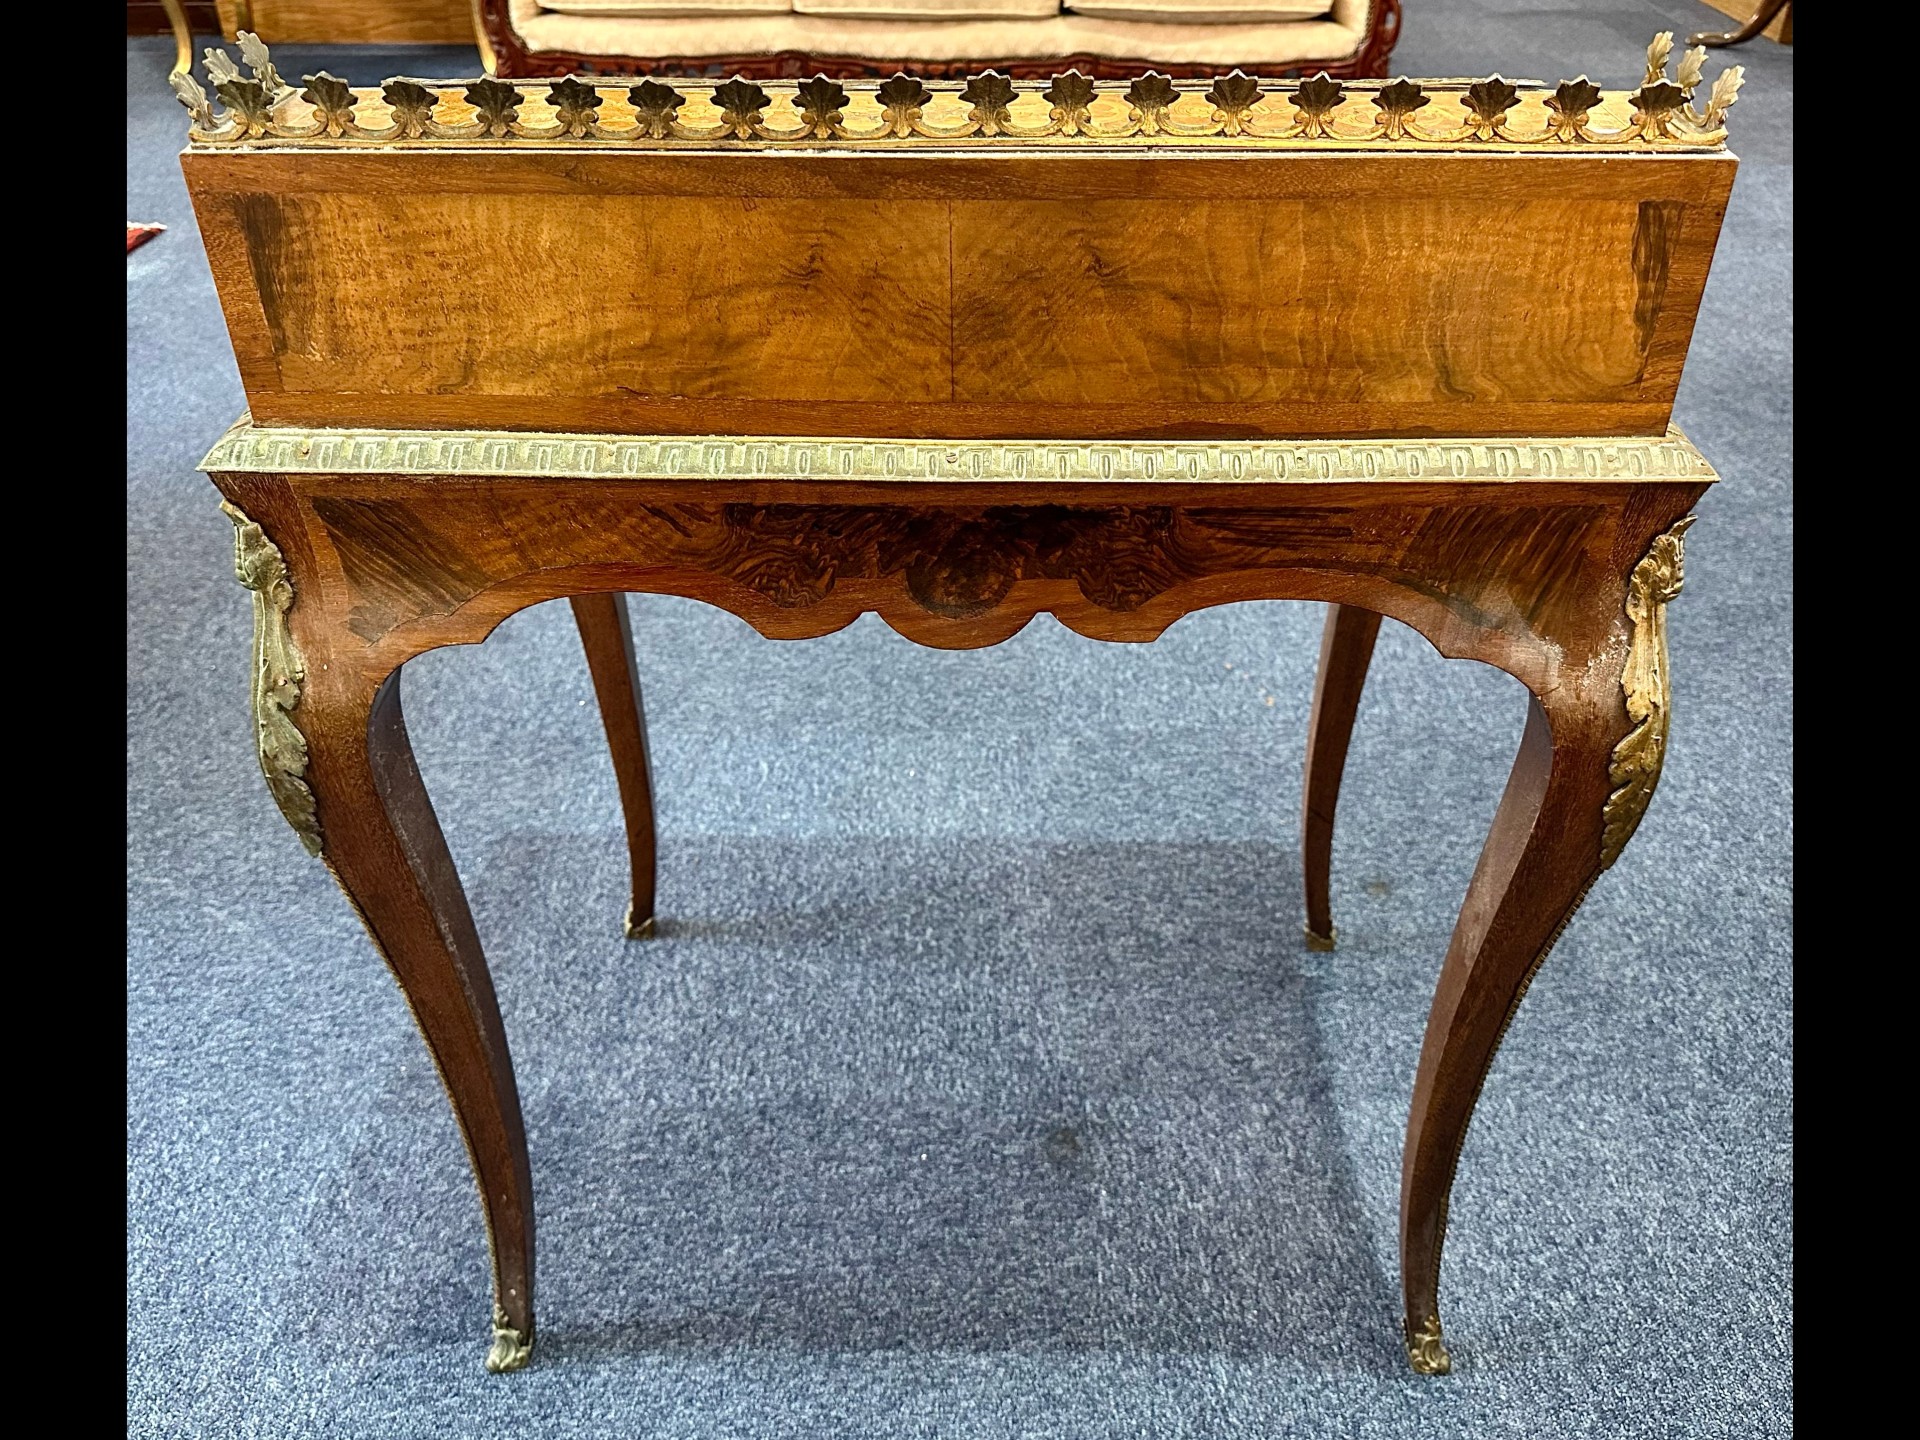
(979, 1085)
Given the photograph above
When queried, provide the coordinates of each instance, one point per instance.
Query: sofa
(780, 39)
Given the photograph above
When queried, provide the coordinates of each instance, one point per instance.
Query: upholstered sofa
(771, 39)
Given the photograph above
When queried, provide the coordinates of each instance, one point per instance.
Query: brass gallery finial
(1233, 110)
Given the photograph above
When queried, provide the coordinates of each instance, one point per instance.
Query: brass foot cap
(511, 1350)
(1427, 1351)
(641, 931)
(1317, 941)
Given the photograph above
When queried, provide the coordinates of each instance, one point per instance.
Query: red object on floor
(138, 235)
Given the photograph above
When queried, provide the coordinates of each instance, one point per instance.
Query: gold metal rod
(488, 60)
(182, 36)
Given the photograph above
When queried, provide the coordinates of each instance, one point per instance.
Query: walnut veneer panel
(982, 295)
(339, 22)
(697, 297)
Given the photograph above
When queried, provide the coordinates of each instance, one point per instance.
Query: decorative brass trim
(511, 1348)
(278, 673)
(1427, 1349)
(1232, 111)
(1316, 941)
(250, 448)
(1637, 759)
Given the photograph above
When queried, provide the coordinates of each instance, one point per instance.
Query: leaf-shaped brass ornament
(1396, 104)
(1488, 102)
(1316, 100)
(412, 106)
(654, 106)
(1657, 55)
(576, 105)
(990, 94)
(901, 100)
(248, 101)
(1232, 97)
(1645, 684)
(187, 90)
(1691, 65)
(821, 103)
(1655, 106)
(1726, 89)
(1568, 106)
(1070, 95)
(332, 102)
(741, 102)
(220, 68)
(1151, 97)
(255, 54)
(497, 102)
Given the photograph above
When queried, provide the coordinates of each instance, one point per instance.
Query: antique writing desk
(1114, 353)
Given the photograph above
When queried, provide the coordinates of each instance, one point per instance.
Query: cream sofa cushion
(892, 42)
(922, 10)
(655, 9)
(1202, 12)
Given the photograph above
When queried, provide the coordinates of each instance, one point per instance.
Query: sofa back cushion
(1202, 12)
(924, 10)
(1188, 12)
(657, 9)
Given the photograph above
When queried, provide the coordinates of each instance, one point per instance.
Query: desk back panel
(992, 293)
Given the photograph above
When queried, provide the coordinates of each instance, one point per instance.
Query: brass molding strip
(1232, 111)
(250, 448)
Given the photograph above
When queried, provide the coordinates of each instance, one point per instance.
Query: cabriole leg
(332, 744)
(608, 638)
(1586, 771)
(1346, 648)
(384, 846)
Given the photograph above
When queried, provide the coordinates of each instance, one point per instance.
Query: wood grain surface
(1034, 296)
(348, 22)
(149, 17)
(408, 566)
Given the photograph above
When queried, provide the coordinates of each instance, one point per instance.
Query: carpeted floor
(979, 1085)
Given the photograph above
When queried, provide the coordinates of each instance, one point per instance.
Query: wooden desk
(1111, 356)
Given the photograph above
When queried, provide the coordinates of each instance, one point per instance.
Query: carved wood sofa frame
(508, 344)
